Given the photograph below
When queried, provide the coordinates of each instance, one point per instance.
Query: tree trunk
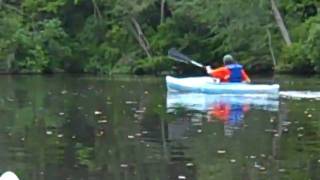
(11, 58)
(271, 49)
(96, 10)
(141, 37)
(280, 23)
(162, 11)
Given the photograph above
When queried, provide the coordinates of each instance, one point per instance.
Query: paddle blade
(176, 55)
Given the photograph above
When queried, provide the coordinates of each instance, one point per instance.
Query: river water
(129, 128)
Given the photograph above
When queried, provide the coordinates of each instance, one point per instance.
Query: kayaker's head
(228, 59)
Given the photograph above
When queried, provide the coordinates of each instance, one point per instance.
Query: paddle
(176, 55)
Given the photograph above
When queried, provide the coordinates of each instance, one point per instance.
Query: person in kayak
(230, 72)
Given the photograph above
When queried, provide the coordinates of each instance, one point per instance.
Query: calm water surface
(129, 128)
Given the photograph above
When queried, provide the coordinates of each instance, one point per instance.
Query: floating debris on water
(102, 121)
(189, 164)
(100, 133)
(124, 165)
(131, 102)
(271, 130)
(272, 120)
(262, 168)
(300, 128)
(286, 123)
(263, 155)
(109, 102)
(130, 137)
(97, 112)
(252, 157)
(140, 111)
(64, 92)
(75, 93)
(221, 151)
(258, 166)
(10, 99)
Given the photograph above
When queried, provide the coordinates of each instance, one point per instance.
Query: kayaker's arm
(221, 73)
(218, 72)
(245, 77)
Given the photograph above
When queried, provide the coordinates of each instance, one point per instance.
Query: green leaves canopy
(98, 36)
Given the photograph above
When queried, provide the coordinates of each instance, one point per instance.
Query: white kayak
(208, 85)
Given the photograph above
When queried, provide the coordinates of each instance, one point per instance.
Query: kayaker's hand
(208, 69)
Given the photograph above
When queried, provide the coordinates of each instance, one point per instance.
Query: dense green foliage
(114, 36)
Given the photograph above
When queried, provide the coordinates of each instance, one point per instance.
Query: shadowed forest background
(133, 36)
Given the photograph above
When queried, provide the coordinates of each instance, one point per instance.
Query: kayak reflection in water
(227, 109)
(231, 115)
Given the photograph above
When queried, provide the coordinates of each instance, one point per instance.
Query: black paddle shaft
(176, 55)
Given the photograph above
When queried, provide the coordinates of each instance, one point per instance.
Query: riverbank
(104, 38)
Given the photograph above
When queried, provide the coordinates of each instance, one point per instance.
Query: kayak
(204, 102)
(208, 85)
